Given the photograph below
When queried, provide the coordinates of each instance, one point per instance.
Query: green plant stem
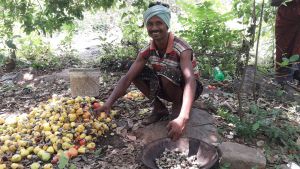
(256, 53)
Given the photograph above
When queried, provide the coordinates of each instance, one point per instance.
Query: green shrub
(213, 43)
(268, 123)
(35, 52)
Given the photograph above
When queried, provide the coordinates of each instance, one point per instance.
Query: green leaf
(98, 152)
(124, 15)
(123, 5)
(73, 166)
(294, 58)
(63, 161)
(10, 44)
(254, 109)
(255, 126)
(285, 63)
(279, 92)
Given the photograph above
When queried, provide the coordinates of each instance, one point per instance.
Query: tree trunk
(10, 63)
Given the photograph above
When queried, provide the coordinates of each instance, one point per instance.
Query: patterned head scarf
(160, 11)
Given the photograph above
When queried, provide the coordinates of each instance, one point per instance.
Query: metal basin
(207, 155)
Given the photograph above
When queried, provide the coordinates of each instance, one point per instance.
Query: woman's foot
(159, 112)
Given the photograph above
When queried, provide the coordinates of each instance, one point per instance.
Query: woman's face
(157, 29)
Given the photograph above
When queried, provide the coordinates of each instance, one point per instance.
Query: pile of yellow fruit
(62, 125)
(135, 95)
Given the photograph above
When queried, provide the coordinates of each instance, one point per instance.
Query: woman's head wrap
(158, 10)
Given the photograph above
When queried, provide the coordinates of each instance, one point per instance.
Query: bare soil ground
(23, 89)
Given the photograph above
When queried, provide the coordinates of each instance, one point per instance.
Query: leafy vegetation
(213, 42)
(286, 61)
(45, 16)
(34, 51)
(269, 124)
(204, 27)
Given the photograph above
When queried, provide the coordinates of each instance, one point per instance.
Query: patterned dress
(287, 31)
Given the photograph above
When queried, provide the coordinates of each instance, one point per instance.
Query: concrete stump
(200, 126)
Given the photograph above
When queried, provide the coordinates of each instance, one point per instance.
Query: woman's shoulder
(180, 43)
(145, 48)
(145, 51)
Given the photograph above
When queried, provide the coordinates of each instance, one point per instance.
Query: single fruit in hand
(96, 105)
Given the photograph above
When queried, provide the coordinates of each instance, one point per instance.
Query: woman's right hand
(101, 108)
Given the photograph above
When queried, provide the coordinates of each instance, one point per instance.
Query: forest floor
(23, 89)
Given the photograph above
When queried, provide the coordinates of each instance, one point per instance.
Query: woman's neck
(162, 44)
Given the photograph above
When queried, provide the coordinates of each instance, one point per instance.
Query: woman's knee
(170, 90)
